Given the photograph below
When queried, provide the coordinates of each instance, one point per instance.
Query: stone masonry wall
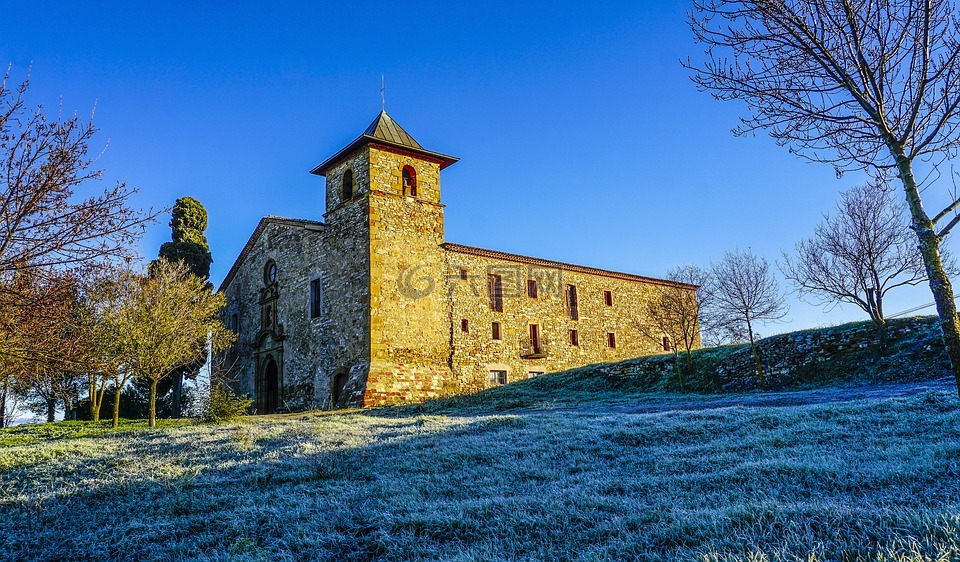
(347, 282)
(409, 327)
(296, 248)
(849, 351)
(476, 353)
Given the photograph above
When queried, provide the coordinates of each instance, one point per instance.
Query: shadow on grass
(850, 478)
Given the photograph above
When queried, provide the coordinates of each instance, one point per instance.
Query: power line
(914, 309)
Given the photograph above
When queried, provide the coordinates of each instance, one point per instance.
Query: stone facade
(476, 354)
(298, 345)
(373, 307)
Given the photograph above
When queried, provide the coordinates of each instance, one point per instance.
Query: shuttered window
(573, 308)
(495, 290)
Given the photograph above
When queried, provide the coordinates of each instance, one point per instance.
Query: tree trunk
(177, 392)
(95, 399)
(116, 405)
(153, 404)
(930, 250)
(881, 325)
(678, 367)
(51, 410)
(3, 404)
(756, 356)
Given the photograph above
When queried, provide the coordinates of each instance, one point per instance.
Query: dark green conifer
(189, 244)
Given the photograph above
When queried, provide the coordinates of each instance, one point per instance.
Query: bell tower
(385, 267)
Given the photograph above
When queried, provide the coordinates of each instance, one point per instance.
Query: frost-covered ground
(873, 479)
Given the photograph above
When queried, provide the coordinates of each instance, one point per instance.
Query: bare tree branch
(857, 84)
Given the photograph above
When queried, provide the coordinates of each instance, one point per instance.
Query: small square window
(611, 340)
(495, 330)
(532, 289)
(498, 377)
(464, 325)
(608, 298)
(574, 337)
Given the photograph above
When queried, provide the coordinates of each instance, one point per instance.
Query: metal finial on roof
(383, 98)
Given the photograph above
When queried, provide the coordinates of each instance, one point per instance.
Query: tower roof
(385, 131)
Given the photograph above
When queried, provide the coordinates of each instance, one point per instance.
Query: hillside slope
(581, 470)
(845, 355)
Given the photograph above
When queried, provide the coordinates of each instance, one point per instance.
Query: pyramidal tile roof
(385, 131)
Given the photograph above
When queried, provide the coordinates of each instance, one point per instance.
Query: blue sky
(580, 135)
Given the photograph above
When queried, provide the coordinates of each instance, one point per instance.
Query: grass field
(866, 480)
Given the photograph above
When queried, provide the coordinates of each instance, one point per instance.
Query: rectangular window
(464, 325)
(532, 289)
(573, 309)
(532, 374)
(608, 298)
(666, 344)
(495, 330)
(315, 298)
(611, 340)
(574, 337)
(463, 274)
(535, 347)
(235, 323)
(498, 377)
(495, 290)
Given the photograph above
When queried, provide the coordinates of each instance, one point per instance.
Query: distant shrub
(224, 405)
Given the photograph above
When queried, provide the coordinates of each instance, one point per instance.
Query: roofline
(482, 252)
(256, 234)
(320, 170)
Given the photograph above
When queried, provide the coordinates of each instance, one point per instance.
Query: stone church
(372, 306)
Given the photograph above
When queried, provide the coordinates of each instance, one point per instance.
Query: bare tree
(45, 220)
(673, 313)
(745, 292)
(858, 255)
(859, 84)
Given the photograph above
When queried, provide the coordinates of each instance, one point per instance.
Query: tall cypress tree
(189, 245)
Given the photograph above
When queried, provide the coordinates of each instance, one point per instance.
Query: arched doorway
(339, 382)
(271, 387)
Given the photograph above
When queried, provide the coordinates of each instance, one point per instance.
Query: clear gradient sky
(580, 135)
